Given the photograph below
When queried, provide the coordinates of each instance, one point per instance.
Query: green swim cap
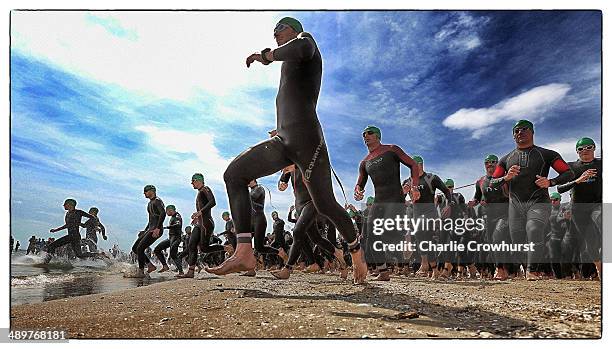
(70, 202)
(351, 213)
(225, 214)
(523, 123)
(293, 23)
(93, 209)
(374, 129)
(584, 141)
(370, 200)
(198, 177)
(149, 187)
(171, 207)
(555, 196)
(417, 159)
(449, 183)
(273, 212)
(491, 157)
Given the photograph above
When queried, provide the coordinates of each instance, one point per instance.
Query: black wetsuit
(175, 228)
(425, 208)
(200, 234)
(259, 223)
(529, 204)
(383, 166)
(458, 210)
(230, 234)
(558, 228)
(92, 226)
(305, 227)
(497, 229)
(587, 208)
(278, 229)
(73, 223)
(299, 140)
(157, 214)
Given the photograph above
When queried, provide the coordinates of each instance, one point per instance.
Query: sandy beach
(323, 306)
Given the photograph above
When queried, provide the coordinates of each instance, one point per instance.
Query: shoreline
(324, 306)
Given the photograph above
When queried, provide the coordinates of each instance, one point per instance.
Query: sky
(103, 103)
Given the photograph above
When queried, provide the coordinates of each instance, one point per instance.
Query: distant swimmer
(153, 230)
(73, 222)
(92, 227)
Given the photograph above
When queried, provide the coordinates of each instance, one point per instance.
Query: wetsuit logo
(312, 163)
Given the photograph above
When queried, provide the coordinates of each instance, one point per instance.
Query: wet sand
(323, 306)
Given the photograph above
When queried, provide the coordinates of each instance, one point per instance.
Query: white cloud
(461, 33)
(531, 104)
(207, 158)
(160, 54)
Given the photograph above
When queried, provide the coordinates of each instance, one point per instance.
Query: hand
(406, 188)
(483, 203)
(255, 57)
(542, 182)
(586, 175)
(512, 172)
(359, 193)
(292, 208)
(567, 214)
(282, 186)
(196, 215)
(415, 194)
(272, 133)
(52, 230)
(155, 232)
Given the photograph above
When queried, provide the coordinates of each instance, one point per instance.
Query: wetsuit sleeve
(498, 176)
(159, 205)
(562, 168)
(438, 184)
(211, 200)
(102, 229)
(292, 220)
(407, 161)
(562, 188)
(462, 205)
(363, 175)
(85, 214)
(478, 192)
(301, 48)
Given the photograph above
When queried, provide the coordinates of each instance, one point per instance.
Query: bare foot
(360, 268)
(313, 268)
(163, 269)
(473, 272)
(422, 272)
(249, 273)
(242, 260)
(384, 276)
(282, 254)
(282, 274)
(500, 274)
(532, 276)
(189, 275)
(151, 268)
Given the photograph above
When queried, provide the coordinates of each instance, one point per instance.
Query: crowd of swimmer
(512, 198)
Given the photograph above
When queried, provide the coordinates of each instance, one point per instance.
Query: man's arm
(407, 161)
(211, 200)
(438, 184)
(301, 48)
(159, 206)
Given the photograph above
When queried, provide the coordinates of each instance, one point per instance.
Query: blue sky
(106, 102)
